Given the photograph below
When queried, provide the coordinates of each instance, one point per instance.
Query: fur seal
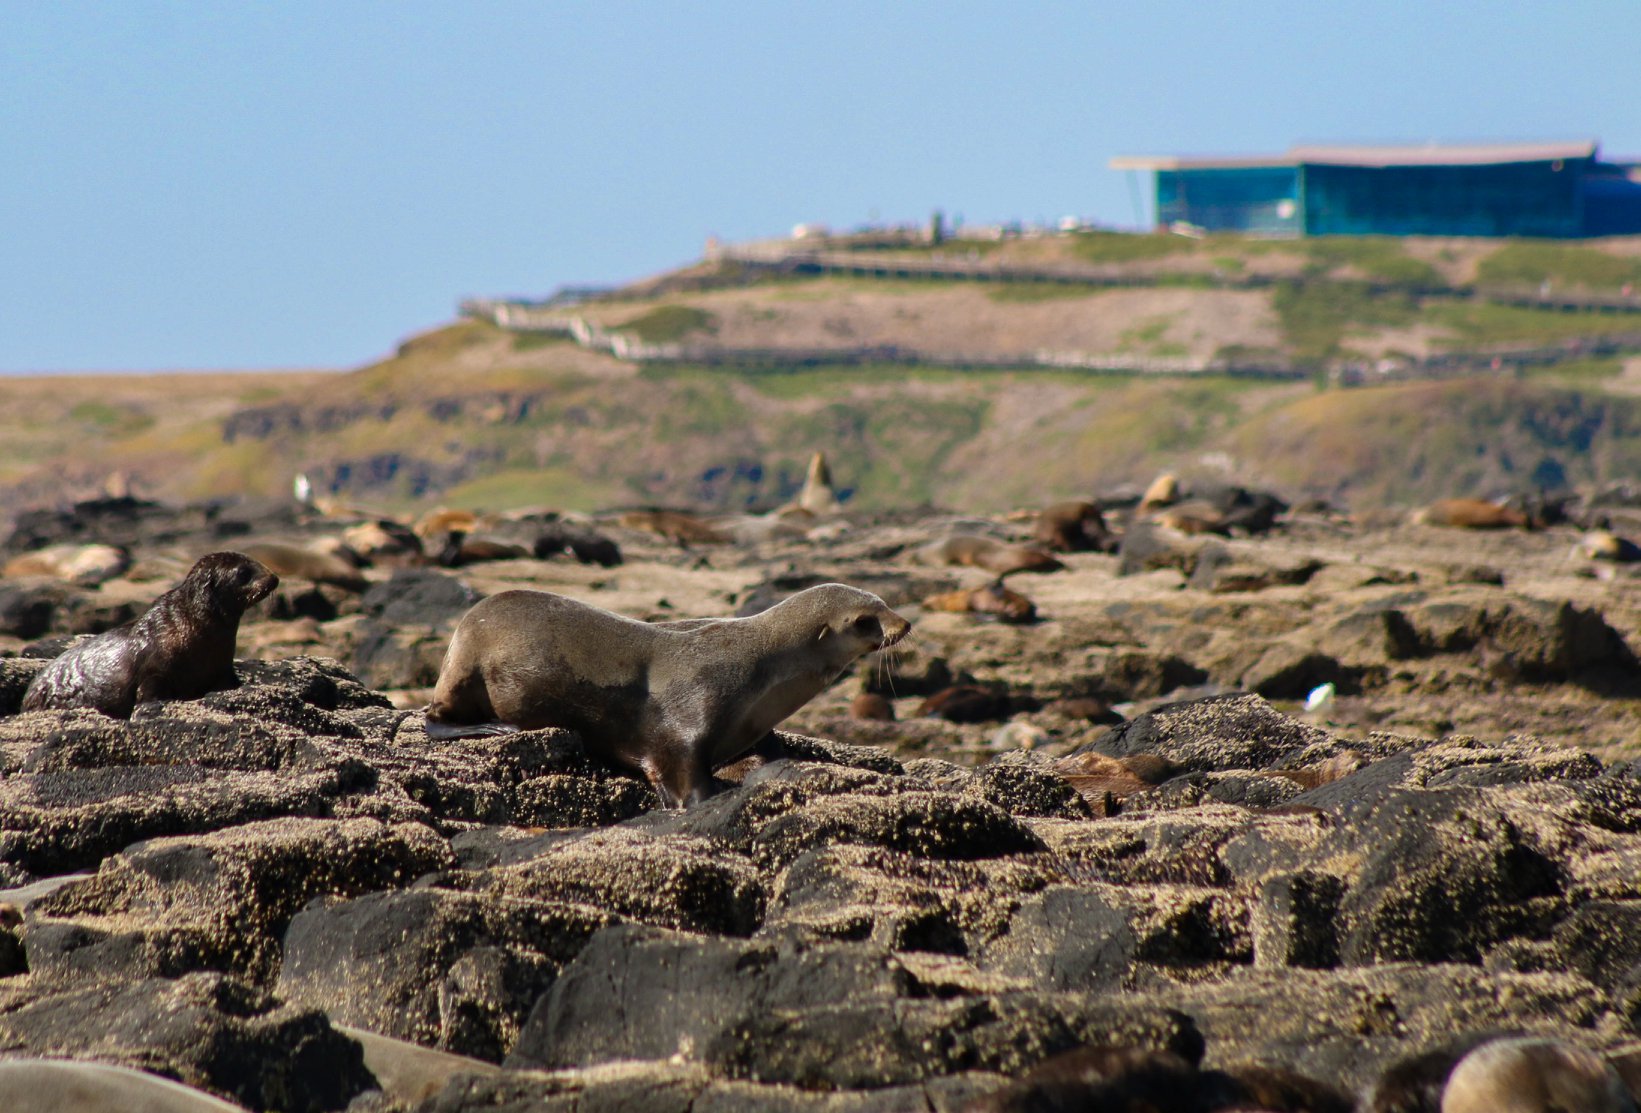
(457, 548)
(991, 599)
(85, 565)
(997, 557)
(1074, 526)
(70, 1086)
(1528, 1074)
(1471, 514)
(967, 703)
(443, 519)
(676, 526)
(1163, 490)
(671, 702)
(385, 542)
(586, 545)
(872, 707)
(181, 648)
(818, 496)
(1605, 545)
(1191, 516)
(302, 563)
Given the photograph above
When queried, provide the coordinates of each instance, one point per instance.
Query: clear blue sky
(237, 184)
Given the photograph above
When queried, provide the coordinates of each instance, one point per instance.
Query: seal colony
(671, 701)
(181, 648)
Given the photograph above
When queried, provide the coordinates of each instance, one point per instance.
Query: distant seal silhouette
(990, 599)
(1073, 526)
(1163, 490)
(86, 565)
(1471, 514)
(672, 701)
(180, 648)
(997, 557)
(314, 565)
(457, 548)
(681, 528)
(1534, 1075)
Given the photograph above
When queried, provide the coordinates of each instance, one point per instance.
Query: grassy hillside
(470, 414)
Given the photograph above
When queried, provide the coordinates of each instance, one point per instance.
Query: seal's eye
(868, 624)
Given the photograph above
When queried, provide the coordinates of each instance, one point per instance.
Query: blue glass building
(1557, 190)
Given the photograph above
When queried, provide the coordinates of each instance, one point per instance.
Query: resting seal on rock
(181, 648)
(669, 701)
(996, 557)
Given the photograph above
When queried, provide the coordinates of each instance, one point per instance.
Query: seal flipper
(439, 731)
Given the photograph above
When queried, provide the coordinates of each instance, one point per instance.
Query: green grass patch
(1316, 316)
(1532, 262)
(702, 405)
(667, 323)
(517, 488)
(1477, 323)
(536, 341)
(110, 420)
(1147, 334)
(1579, 372)
(1127, 247)
(1374, 258)
(1028, 293)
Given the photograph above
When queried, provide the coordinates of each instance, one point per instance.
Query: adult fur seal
(181, 648)
(669, 701)
(1527, 1074)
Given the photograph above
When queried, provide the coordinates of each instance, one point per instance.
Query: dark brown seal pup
(872, 707)
(671, 702)
(181, 648)
(1072, 527)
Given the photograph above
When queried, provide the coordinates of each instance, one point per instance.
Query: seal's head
(229, 583)
(843, 623)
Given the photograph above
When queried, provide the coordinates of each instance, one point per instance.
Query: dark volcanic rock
(825, 1016)
(900, 901)
(406, 629)
(28, 607)
(672, 881)
(458, 971)
(219, 901)
(16, 673)
(206, 1031)
(932, 825)
(111, 521)
(1217, 733)
(53, 822)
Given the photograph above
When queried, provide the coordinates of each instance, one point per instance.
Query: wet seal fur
(671, 701)
(180, 648)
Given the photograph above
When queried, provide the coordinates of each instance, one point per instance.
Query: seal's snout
(894, 628)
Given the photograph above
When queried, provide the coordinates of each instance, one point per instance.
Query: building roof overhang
(1429, 154)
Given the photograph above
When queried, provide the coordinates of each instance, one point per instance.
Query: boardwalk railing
(550, 318)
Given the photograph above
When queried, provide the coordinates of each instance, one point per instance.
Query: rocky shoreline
(286, 896)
